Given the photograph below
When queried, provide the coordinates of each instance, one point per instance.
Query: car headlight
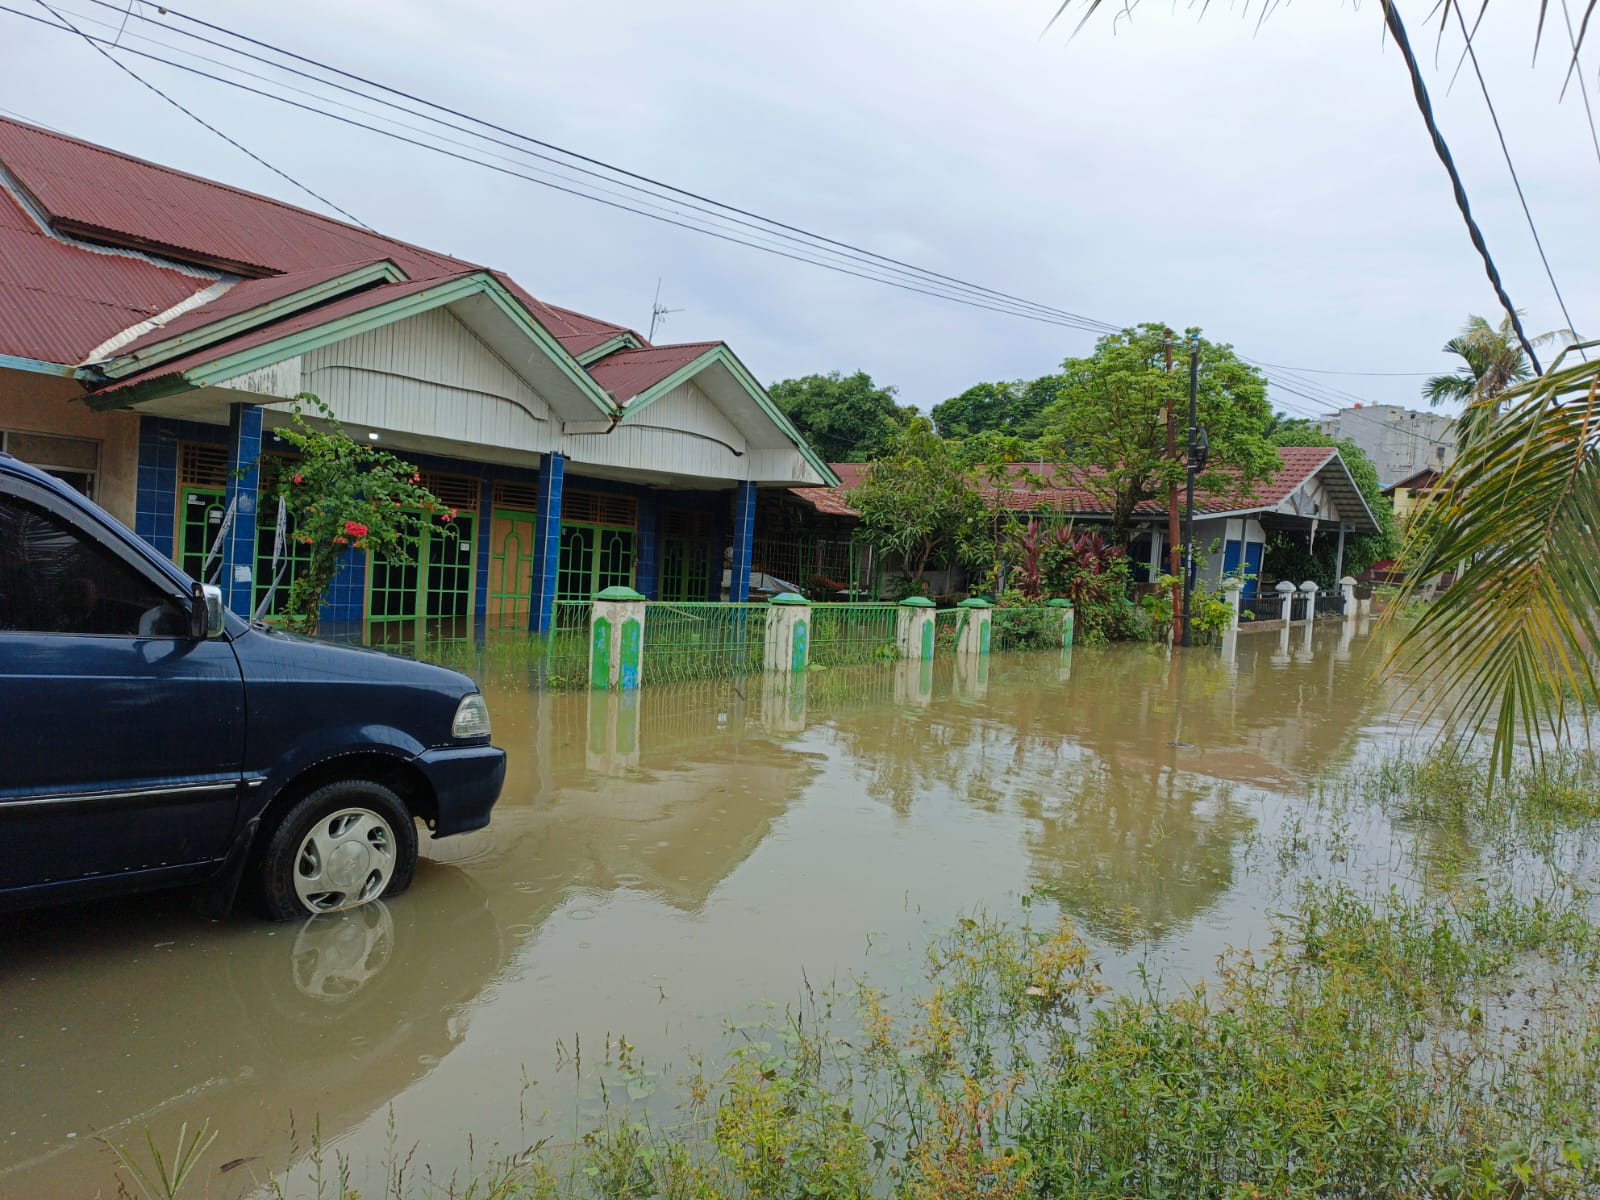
(472, 718)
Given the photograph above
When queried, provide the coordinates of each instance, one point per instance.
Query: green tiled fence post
(616, 639)
(977, 618)
(914, 628)
(1067, 613)
(788, 634)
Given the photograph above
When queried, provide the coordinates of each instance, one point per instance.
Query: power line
(1333, 371)
(614, 170)
(1583, 88)
(1499, 133)
(95, 43)
(1397, 29)
(1025, 309)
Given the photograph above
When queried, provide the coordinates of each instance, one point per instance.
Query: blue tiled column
(546, 542)
(157, 492)
(744, 534)
(480, 569)
(647, 570)
(239, 547)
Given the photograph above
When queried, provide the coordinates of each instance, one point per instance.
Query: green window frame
(428, 597)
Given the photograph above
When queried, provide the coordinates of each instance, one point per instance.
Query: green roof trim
(271, 353)
(263, 314)
(721, 354)
(623, 341)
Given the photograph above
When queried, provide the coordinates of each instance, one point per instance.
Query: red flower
(355, 529)
(451, 515)
(339, 541)
(416, 478)
(299, 478)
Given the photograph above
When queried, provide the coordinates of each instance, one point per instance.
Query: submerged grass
(1386, 1040)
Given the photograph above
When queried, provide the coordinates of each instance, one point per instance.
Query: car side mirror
(206, 612)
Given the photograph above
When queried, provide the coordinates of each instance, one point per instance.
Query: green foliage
(1020, 623)
(845, 418)
(1014, 409)
(1109, 418)
(343, 497)
(915, 499)
(1359, 552)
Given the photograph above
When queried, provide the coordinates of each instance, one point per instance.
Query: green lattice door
(599, 539)
(686, 553)
(201, 512)
(429, 597)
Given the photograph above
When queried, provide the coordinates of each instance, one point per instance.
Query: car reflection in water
(232, 1024)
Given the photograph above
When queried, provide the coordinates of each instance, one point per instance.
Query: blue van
(150, 738)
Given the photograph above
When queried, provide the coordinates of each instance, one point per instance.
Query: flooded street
(661, 867)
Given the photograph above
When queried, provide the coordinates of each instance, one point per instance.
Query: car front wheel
(343, 845)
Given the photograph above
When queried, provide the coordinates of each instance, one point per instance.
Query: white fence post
(788, 647)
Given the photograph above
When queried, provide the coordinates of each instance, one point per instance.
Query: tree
(1014, 409)
(1492, 360)
(846, 418)
(1110, 420)
(345, 496)
(915, 500)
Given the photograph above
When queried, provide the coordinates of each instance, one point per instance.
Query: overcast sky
(1273, 186)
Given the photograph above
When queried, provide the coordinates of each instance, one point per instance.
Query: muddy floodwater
(664, 867)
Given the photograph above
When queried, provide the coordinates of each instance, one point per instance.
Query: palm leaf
(1518, 512)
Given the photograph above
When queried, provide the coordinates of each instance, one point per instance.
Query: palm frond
(1518, 515)
(1442, 388)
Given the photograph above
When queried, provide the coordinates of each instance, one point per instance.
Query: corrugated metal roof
(1064, 490)
(577, 332)
(299, 323)
(627, 373)
(241, 298)
(58, 301)
(90, 191)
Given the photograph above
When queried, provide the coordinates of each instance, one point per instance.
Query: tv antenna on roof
(658, 311)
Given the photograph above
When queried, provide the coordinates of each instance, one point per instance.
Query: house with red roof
(1311, 495)
(155, 327)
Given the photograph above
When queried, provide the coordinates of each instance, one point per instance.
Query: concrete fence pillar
(1064, 606)
(1347, 592)
(1286, 593)
(1308, 589)
(913, 631)
(616, 639)
(977, 617)
(788, 634)
(1233, 591)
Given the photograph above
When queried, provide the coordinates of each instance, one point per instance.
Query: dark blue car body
(131, 760)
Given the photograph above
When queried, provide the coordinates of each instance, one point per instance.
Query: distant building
(1399, 441)
(1412, 492)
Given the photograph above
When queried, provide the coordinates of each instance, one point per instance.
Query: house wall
(36, 403)
(684, 432)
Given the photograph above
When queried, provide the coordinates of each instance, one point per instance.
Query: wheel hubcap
(346, 859)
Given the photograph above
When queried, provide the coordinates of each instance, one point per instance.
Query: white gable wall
(430, 377)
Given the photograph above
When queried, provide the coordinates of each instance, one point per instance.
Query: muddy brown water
(661, 867)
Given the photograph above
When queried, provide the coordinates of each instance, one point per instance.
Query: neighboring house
(1312, 494)
(1412, 492)
(1399, 441)
(153, 324)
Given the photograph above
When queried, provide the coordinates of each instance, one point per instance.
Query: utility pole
(1174, 562)
(1188, 472)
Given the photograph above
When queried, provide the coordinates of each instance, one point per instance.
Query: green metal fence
(684, 642)
(566, 646)
(946, 625)
(847, 634)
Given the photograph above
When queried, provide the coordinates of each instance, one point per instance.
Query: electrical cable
(131, 73)
(790, 232)
(1397, 29)
(1472, 56)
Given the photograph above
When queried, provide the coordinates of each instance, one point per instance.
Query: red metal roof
(58, 301)
(93, 192)
(579, 333)
(1063, 488)
(243, 296)
(627, 373)
(298, 323)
